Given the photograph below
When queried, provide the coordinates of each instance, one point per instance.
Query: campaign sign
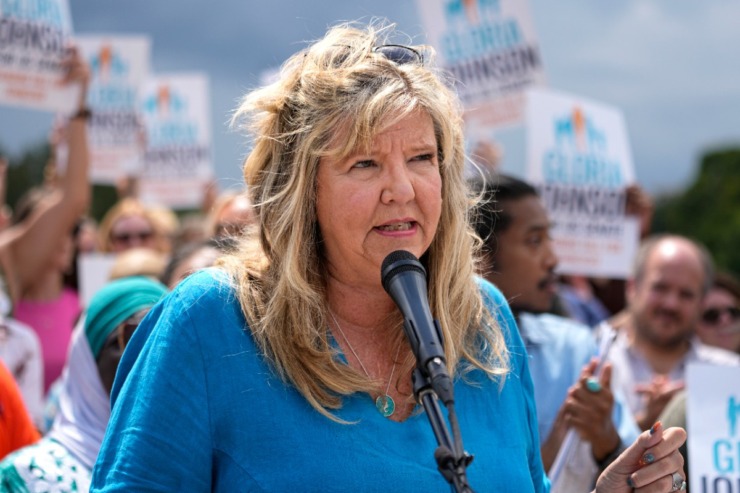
(713, 426)
(33, 40)
(119, 65)
(178, 161)
(578, 154)
(491, 50)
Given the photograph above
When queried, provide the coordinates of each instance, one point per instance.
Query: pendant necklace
(383, 403)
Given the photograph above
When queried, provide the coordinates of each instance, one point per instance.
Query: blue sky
(673, 67)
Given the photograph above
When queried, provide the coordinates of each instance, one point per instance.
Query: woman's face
(719, 324)
(113, 347)
(370, 204)
(132, 232)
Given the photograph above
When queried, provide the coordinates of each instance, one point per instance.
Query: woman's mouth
(405, 226)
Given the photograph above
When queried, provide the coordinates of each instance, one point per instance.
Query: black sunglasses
(400, 54)
(125, 331)
(128, 237)
(712, 315)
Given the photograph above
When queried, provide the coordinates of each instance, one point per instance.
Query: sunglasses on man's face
(129, 236)
(712, 316)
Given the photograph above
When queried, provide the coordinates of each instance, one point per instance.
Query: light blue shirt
(199, 410)
(558, 350)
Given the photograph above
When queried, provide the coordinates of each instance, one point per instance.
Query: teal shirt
(199, 410)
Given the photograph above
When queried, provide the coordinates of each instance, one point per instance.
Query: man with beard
(570, 393)
(656, 339)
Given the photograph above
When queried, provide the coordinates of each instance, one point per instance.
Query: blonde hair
(138, 262)
(340, 82)
(132, 207)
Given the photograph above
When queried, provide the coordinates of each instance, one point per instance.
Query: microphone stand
(451, 460)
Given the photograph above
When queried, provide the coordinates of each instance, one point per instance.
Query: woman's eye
(424, 157)
(363, 164)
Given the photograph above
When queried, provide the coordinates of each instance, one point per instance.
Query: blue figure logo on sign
(733, 412)
(470, 9)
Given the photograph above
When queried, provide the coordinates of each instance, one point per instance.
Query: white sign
(119, 65)
(178, 162)
(579, 156)
(490, 48)
(94, 269)
(33, 38)
(713, 426)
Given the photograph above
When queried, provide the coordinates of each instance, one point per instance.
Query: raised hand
(656, 395)
(650, 465)
(588, 409)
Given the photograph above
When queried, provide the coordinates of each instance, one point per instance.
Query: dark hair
(488, 216)
(728, 282)
(186, 250)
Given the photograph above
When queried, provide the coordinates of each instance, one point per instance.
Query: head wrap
(114, 303)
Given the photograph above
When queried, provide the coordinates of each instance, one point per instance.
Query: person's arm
(632, 473)
(37, 237)
(159, 434)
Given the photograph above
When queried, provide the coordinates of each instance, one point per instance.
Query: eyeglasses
(712, 316)
(125, 330)
(400, 54)
(129, 236)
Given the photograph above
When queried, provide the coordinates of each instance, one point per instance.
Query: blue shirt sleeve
(147, 446)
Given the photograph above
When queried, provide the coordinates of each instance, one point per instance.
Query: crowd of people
(254, 346)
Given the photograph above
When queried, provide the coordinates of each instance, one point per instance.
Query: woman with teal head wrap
(63, 459)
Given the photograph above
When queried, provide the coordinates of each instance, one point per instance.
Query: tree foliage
(709, 209)
(26, 171)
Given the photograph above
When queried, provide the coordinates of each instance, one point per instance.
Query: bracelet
(82, 114)
(611, 456)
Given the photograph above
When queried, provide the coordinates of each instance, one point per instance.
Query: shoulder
(23, 333)
(205, 286)
(492, 296)
(546, 327)
(196, 307)
(496, 304)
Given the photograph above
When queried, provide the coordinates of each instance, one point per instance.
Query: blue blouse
(196, 408)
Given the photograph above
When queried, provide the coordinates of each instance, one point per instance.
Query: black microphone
(405, 280)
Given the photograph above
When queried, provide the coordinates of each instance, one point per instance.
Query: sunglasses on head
(129, 236)
(400, 54)
(712, 315)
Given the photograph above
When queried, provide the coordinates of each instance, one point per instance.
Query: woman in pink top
(36, 249)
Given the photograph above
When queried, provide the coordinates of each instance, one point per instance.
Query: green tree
(26, 171)
(709, 209)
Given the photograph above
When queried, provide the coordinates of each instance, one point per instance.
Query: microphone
(404, 278)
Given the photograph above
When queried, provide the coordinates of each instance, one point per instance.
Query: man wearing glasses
(671, 277)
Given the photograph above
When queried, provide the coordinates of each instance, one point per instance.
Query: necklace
(383, 403)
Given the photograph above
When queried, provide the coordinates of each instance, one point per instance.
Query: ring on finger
(593, 385)
(679, 483)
